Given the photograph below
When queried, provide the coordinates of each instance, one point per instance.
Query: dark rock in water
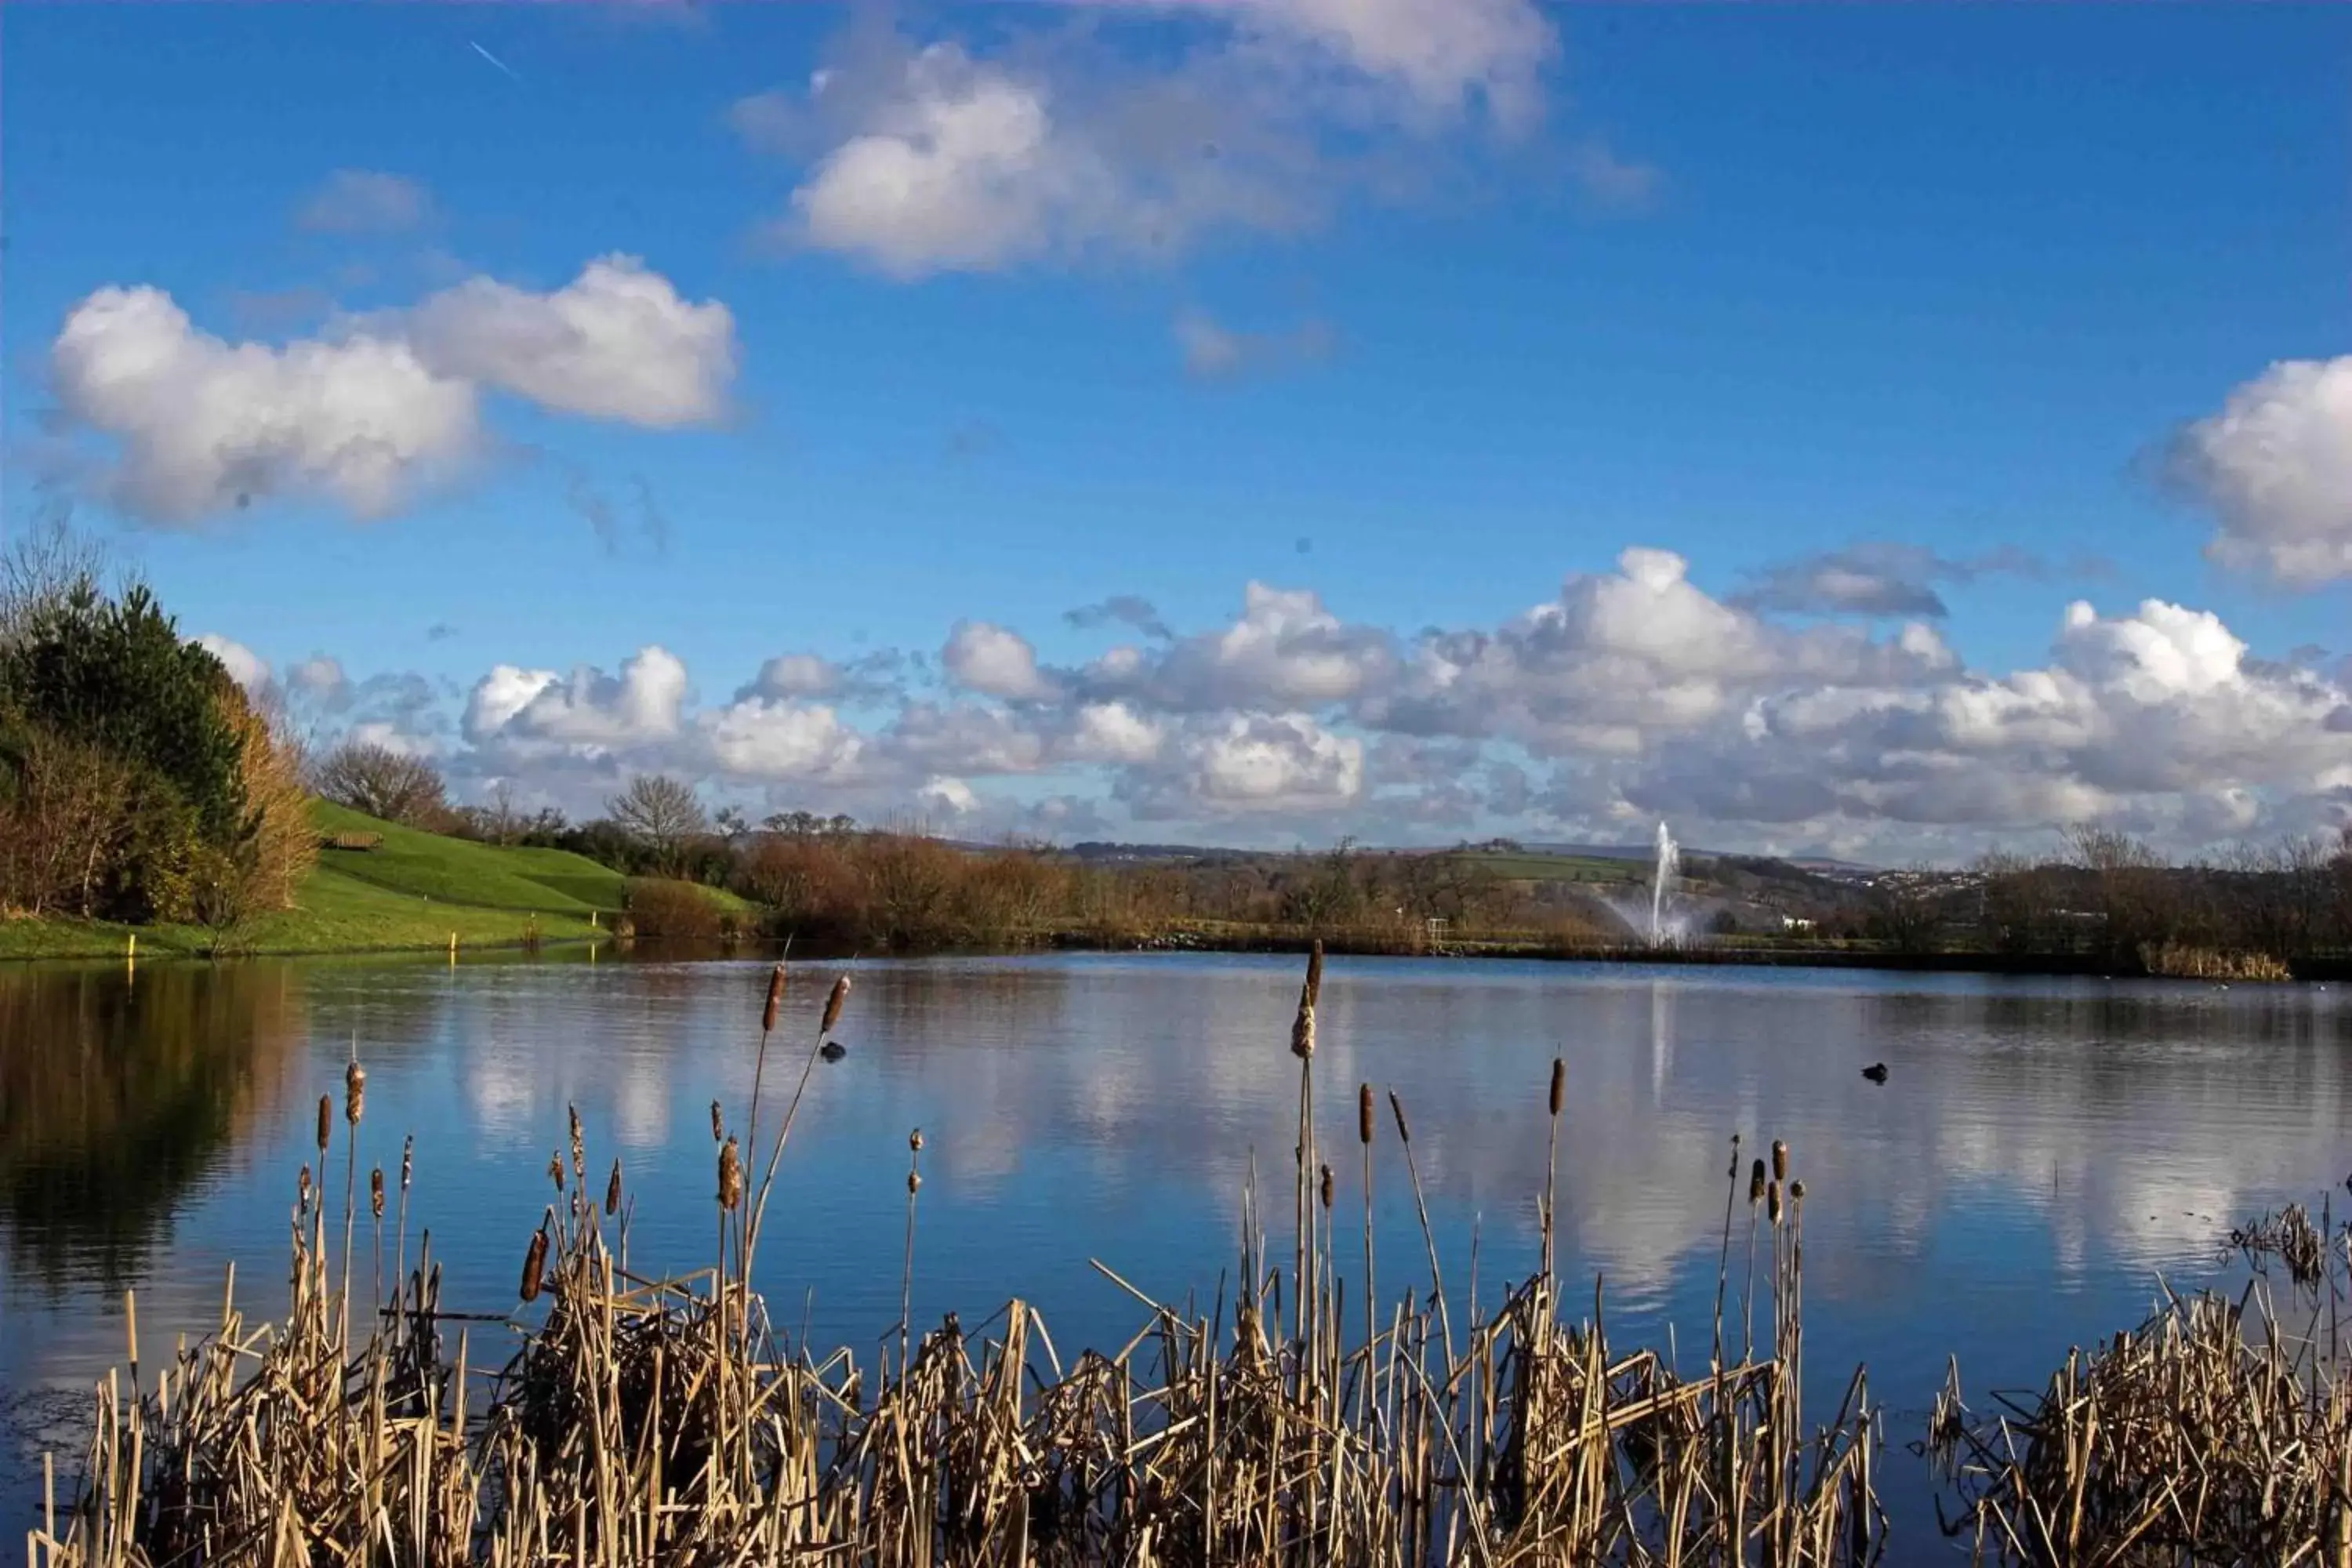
(834, 1050)
(1875, 1072)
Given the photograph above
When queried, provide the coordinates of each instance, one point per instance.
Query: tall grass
(647, 1420)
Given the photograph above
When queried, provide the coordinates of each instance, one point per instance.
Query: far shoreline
(26, 942)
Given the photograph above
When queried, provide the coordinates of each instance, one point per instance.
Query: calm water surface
(2045, 1151)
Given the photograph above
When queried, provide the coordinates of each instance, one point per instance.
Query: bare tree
(661, 811)
(43, 566)
(383, 783)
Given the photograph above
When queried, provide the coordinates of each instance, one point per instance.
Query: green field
(1525, 867)
(413, 891)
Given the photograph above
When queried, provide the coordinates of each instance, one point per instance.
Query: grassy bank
(409, 890)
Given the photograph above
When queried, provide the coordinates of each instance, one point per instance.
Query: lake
(2044, 1152)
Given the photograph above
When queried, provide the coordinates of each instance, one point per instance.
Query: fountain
(1663, 932)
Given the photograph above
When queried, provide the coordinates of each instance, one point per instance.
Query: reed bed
(624, 1421)
(2219, 1432)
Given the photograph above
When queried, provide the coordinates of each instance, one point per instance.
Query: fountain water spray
(1662, 877)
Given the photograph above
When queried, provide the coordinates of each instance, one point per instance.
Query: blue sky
(1422, 308)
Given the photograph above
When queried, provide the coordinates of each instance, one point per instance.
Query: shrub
(672, 911)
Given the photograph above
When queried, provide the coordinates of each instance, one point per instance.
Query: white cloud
(987, 659)
(1213, 350)
(366, 200)
(318, 676)
(1610, 180)
(1448, 55)
(773, 741)
(1274, 765)
(1063, 146)
(588, 712)
(1640, 693)
(386, 408)
(616, 342)
(245, 667)
(2275, 465)
(201, 425)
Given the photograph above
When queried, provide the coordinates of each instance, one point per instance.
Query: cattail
(731, 1176)
(834, 1005)
(354, 1092)
(1796, 1192)
(1779, 1160)
(375, 1191)
(579, 1145)
(1772, 1202)
(718, 1122)
(914, 1183)
(1315, 974)
(1756, 1184)
(533, 1261)
(1302, 1028)
(326, 1120)
(1559, 1085)
(1397, 1106)
(776, 1000)
(1327, 1188)
(555, 1171)
(302, 1188)
(408, 1160)
(612, 1190)
(915, 1141)
(1364, 1114)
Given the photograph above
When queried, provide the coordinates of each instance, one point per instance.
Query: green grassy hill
(414, 890)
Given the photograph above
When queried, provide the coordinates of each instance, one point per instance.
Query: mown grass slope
(414, 890)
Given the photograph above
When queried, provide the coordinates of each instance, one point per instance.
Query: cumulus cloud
(987, 659)
(366, 202)
(1061, 146)
(1628, 695)
(203, 427)
(386, 406)
(617, 342)
(1120, 609)
(587, 712)
(2275, 467)
(245, 667)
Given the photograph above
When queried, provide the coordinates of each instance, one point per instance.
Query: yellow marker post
(453, 947)
(131, 953)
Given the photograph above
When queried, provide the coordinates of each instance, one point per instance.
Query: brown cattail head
(579, 1145)
(1779, 1160)
(730, 1175)
(1559, 1085)
(915, 1141)
(1796, 1192)
(408, 1160)
(354, 1092)
(1397, 1106)
(1756, 1184)
(1772, 1202)
(718, 1122)
(555, 1171)
(1315, 974)
(612, 1190)
(1327, 1187)
(534, 1261)
(1302, 1028)
(1364, 1114)
(326, 1120)
(914, 1183)
(834, 1004)
(776, 1000)
(375, 1191)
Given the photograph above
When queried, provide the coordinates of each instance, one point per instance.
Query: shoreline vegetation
(1307, 1418)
